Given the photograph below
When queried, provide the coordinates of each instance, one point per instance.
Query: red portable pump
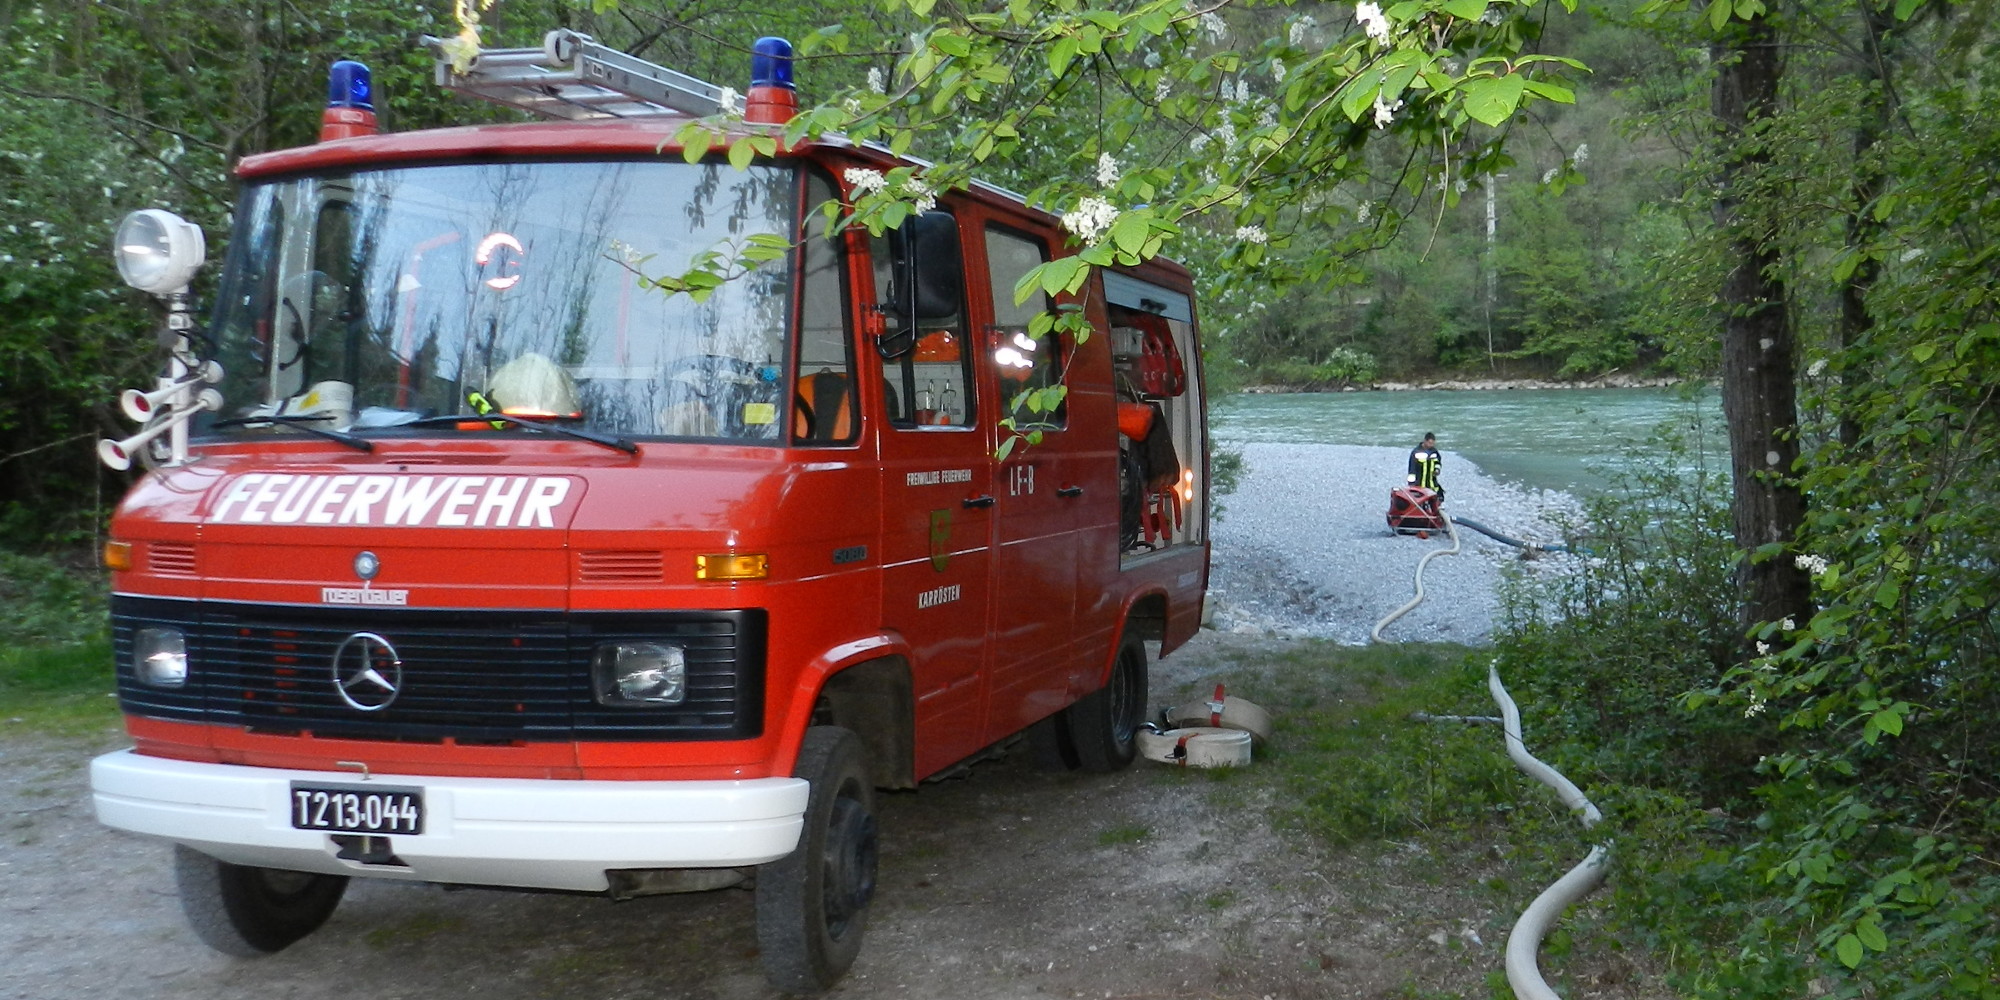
(1414, 510)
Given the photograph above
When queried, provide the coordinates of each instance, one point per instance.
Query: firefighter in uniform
(1424, 464)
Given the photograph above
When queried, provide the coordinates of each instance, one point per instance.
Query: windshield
(369, 300)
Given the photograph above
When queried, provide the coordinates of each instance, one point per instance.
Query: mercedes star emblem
(367, 673)
(366, 565)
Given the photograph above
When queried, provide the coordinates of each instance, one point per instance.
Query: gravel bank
(1302, 548)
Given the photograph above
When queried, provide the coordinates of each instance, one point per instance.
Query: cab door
(937, 487)
(1039, 490)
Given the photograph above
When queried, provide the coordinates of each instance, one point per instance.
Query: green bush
(43, 602)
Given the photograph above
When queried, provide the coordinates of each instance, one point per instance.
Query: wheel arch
(865, 688)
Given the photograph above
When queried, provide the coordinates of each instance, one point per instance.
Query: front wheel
(1104, 725)
(247, 912)
(812, 905)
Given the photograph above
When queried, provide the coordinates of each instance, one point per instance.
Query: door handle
(982, 500)
(1070, 491)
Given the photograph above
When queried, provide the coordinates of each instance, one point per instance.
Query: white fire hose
(1524, 943)
(1450, 529)
(1524, 974)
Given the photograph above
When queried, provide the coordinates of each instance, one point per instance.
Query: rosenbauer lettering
(394, 501)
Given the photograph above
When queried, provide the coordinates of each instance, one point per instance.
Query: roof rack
(573, 77)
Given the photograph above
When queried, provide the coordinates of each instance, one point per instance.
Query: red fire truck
(468, 556)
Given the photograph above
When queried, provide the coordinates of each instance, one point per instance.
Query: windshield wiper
(304, 423)
(593, 437)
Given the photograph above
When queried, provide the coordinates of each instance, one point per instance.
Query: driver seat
(824, 408)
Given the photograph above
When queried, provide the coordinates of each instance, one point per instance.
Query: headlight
(159, 657)
(158, 251)
(638, 674)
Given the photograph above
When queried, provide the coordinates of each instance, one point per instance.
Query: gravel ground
(1303, 548)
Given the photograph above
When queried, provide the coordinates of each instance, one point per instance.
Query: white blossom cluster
(1107, 170)
(1385, 113)
(1300, 27)
(1811, 563)
(1212, 25)
(1090, 220)
(921, 196)
(863, 181)
(1252, 234)
(875, 79)
(1369, 15)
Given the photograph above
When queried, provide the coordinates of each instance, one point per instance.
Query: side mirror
(928, 278)
(937, 272)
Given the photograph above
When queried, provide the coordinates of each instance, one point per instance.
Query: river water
(1558, 439)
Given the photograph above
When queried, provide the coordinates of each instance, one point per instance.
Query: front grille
(467, 676)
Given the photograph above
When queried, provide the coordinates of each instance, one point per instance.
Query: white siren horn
(140, 406)
(118, 454)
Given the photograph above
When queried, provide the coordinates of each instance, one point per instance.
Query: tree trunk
(1759, 394)
(1862, 227)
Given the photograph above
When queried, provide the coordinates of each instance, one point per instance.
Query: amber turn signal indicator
(118, 556)
(732, 566)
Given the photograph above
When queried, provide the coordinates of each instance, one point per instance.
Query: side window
(824, 406)
(1024, 363)
(928, 382)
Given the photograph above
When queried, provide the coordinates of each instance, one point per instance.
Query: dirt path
(1005, 883)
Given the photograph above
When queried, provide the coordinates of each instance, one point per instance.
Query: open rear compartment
(1162, 480)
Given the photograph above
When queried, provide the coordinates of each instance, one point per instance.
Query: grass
(55, 655)
(1348, 767)
(57, 689)
(1348, 760)
(1119, 836)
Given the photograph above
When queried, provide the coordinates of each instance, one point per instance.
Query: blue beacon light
(350, 102)
(347, 86)
(772, 99)
(771, 63)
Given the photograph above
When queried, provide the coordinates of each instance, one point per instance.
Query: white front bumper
(524, 832)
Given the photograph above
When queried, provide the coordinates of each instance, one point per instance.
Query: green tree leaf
(1492, 100)
(1848, 950)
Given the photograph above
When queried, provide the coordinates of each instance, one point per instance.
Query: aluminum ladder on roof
(572, 76)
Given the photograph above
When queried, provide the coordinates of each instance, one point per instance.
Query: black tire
(812, 905)
(1104, 726)
(1049, 743)
(251, 912)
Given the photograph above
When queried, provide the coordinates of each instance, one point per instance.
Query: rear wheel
(1104, 726)
(812, 905)
(247, 912)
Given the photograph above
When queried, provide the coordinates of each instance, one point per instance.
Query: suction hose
(1523, 972)
(1508, 540)
(1376, 634)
